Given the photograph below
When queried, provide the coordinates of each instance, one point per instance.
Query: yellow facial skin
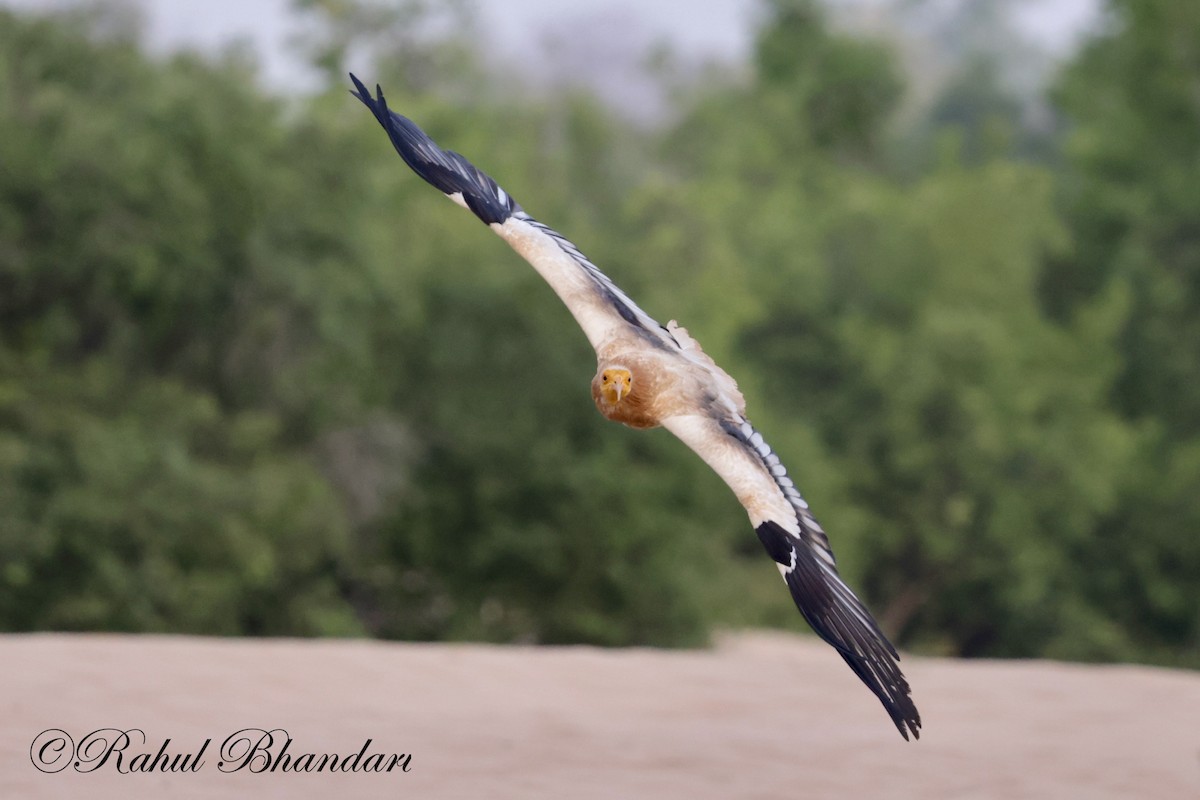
(615, 383)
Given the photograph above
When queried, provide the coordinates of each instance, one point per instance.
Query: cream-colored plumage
(651, 375)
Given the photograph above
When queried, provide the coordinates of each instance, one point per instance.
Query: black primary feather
(446, 170)
(829, 608)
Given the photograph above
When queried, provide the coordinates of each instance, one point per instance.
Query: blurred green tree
(256, 329)
(255, 378)
(159, 345)
(1130, 193)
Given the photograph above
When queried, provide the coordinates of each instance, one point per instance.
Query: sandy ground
(762, 715)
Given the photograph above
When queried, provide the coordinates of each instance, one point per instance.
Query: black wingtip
(444, 169)
(894, 696)
(840, 619)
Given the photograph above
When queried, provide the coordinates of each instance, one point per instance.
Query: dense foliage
(255, 378)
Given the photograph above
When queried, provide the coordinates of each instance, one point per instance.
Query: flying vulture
(649, 375)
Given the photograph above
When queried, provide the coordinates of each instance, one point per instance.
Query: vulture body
(651, 375)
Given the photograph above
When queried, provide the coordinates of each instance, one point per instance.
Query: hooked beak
(616, 384)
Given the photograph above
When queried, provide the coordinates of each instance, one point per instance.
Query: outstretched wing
(598, 305)
(728, 444)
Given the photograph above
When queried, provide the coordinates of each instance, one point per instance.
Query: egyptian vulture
(649, 375)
